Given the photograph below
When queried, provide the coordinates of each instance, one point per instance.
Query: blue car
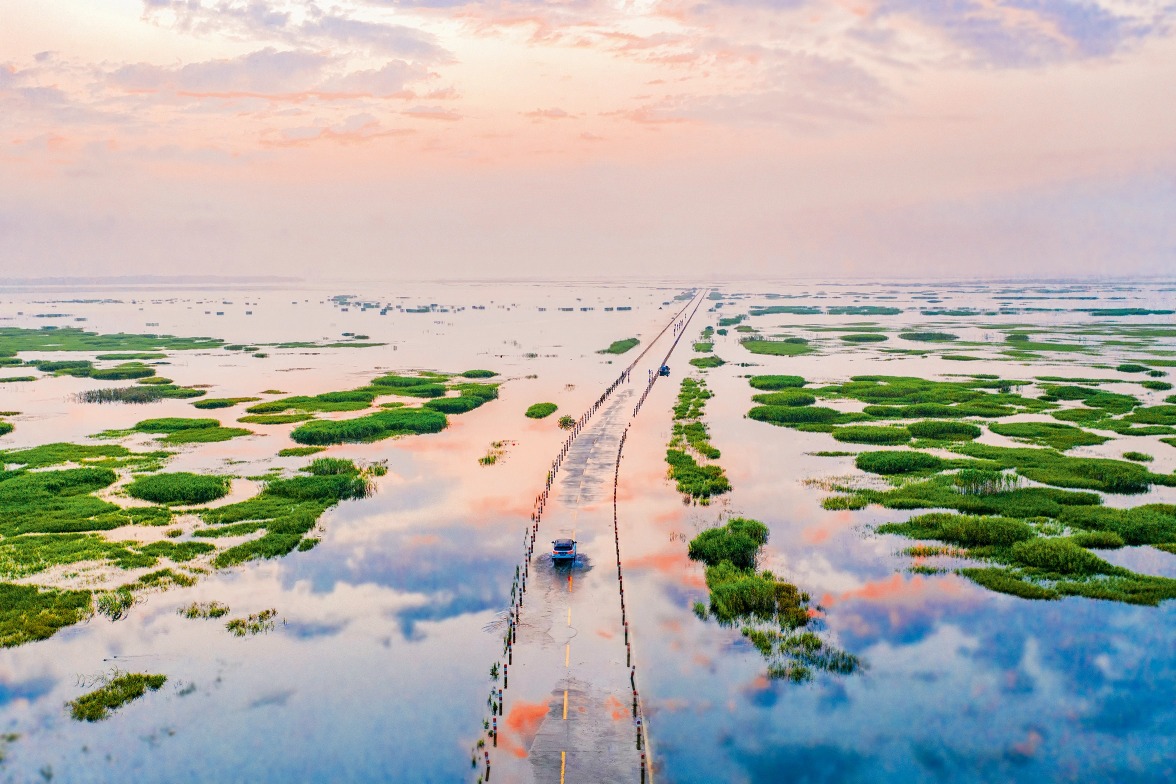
(664, 370)
(563, 551)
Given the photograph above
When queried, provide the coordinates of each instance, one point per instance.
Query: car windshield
(564, 544)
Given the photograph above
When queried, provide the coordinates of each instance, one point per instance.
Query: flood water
(378, 668)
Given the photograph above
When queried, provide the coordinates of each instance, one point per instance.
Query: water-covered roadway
(568, 710)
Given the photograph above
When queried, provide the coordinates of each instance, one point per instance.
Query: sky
(614, 139)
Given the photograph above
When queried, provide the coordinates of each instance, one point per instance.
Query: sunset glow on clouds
(442, 138)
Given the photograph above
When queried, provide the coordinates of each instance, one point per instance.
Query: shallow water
(378, 668)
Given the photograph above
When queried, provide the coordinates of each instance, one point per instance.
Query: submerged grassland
(60, 508)
(690, 444)
(1032, 514)
(774, 615)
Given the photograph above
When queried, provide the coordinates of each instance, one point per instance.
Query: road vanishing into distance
(570, 708)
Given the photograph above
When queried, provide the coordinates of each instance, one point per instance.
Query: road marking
(567, 653)
(565, 718)
(563, 763)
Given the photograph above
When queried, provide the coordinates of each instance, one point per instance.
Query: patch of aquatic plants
(789, 347)
(16, 339)
(872, 434)
(204, 610)
(1034, 566)
(117, 690)
(804, 417)
(115, 604)
(620, 346)
(704, 363)
(478, 373)
(352, 400)
(29, 613)
(179, 488)
(697, 481)
(285, 510)
(373, 427)
(93, 455)
(786, 397)
(1052, 468)
(1054, 435)
(864, 337)
(704, 347)
(300, 451)
(223, 402)
(138, 394)
(772, 383)
(862, 310)
(739, 541)
(929, 337)
(255, 623)
(274, 419)
(540, 410)
(770, 611)
(936, 430)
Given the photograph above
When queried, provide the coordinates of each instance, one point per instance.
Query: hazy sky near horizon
(442, 138)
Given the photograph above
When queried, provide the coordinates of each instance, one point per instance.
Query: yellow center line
(565, 716)
(563, 764)
(567, 653)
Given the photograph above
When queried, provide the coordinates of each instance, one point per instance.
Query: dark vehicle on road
(664, 370)
(563, 551)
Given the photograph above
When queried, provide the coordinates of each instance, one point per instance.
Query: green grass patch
(872, 434)
(139, 394)
(898, 462)
(963, 530)
(771, 612)
(1051, 468)
(478, 373)
(620, 346)
(704, 348)
(929, 337)
(940, 430)
(115, 693)
(130, 357)
(707, 362)
(771, 383)
(862, 310)
(300, 451)
(786, 397)
(373, 427)
(739, 541)
(352, 400)
(204, 610)
(179, 488)
(174, 425)
(541, 410)
(1051, 434)
(865, 337)
(223, 402)
(792, 347)
(1138, 457)
(274, 419)
(207, 435)
(29, 613)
